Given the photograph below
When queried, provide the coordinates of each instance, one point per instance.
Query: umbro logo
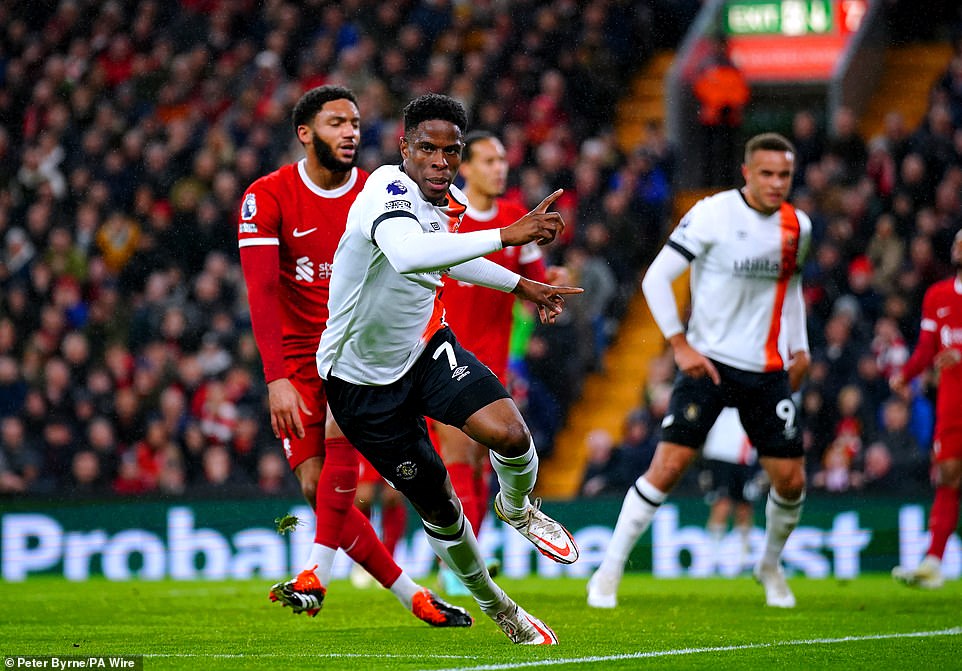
(941, 313)
(460, 373)
(301, 234)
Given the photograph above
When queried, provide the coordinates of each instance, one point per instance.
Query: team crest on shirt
(249, 207)
(397, 188)
(692, 412)
(406, 470)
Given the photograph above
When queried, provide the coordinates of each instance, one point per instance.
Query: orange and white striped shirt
(745, 269)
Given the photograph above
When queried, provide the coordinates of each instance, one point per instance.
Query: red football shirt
(480, 317)
(941, 330)
(304, 222)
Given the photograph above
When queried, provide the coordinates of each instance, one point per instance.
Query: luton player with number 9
(745, 248)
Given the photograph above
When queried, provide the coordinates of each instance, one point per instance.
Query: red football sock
(462, 479)
(335, 490)
(482, 485)
(394, 521)
(361, 544)
(943, 519)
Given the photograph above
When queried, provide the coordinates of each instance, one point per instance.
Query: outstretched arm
(548, 298)
(409, 250)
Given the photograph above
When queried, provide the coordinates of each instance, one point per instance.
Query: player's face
(957, 251)
(768, 178)
(432, 156)
(487, 171)
(334, 135)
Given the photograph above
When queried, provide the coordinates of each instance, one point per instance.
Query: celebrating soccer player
(390, 361)
(484, 167)
(290, 222)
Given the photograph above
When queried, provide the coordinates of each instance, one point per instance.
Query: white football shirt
(743, 264)
(381, 319)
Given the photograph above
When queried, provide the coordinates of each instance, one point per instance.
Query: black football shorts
(764, 402)
(386, 423)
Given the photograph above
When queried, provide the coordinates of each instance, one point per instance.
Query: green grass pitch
(869, 623)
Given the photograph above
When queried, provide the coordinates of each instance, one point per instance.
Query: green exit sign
(778, 17)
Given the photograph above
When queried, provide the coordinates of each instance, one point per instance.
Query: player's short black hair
(768, 142)
(312, 102)
(434, 106)
(471, 138)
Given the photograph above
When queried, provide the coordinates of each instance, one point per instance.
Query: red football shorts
(948, 443)
(302, 372)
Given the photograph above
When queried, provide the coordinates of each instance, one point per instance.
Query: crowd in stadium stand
(129, 130)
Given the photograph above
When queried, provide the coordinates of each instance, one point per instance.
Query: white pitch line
(955, 631)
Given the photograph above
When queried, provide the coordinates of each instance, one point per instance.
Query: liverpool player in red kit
(940, 345)
(290, 224)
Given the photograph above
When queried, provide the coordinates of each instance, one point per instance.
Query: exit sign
(779, 17)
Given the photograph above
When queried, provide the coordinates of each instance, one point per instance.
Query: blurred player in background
(290, 223)
(746, 248)
(730, 466)
(940, 345)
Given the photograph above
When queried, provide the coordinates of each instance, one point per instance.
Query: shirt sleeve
(668, 265)
(793, 313)
(259, 219)
(261, 267)
(410, 250)
(485, 273)
(928, 345)
(694, 234)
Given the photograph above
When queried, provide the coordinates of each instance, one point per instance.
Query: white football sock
(639, 508)
(321, 560)
(404, 589)
(517, 476)
(781, 518)
(457, 547)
